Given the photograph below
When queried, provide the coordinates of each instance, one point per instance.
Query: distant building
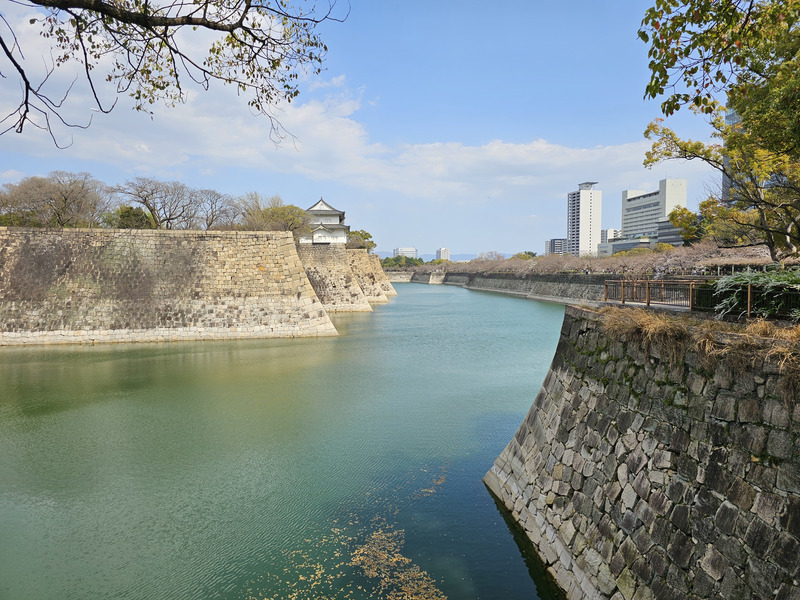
(669, 234)
(583, 219)
(641, 212)
(645, 218)
(409, 252)
(606, 235)
(555, 246)
(443, 254)
(327, 225)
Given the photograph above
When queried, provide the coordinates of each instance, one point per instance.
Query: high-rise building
(555, 246)
(443, 254)
(609, 234)
(583, 220)
(641, 212)
(409, 252)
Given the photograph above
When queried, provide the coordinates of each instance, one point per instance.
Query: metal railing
(664, 292)
(749, 300)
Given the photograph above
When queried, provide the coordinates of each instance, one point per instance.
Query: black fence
(746, 300)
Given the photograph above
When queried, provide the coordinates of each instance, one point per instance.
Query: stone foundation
(328, 269)
(637, 475)
(366, 275)
(101, 285)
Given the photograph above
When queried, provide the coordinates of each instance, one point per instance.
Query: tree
(401, 262)
(688, 222)
(258, 214)
(763, 202)
(492, 255)
(214, 210)
(747, 49)
(525, 255)
(128, 217)
(150, 50)
(61, 199)
(360, 239)
(170, 204)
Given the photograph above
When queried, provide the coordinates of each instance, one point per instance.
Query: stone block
(790, 519)
(780, 444)
(768, 507)
(713, 563)
(759, 536)
(725, 517)
(680, 549)
(741, 493)
(788, 477)
(626, 584)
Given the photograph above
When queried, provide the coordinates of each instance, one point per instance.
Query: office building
(555, 246)
(641, 212)
(583, 220)
(443, 254)
(606, 235)
(409, 252)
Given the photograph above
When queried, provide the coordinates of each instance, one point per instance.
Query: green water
(274, 469)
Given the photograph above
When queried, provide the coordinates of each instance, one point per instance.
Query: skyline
(429, 127)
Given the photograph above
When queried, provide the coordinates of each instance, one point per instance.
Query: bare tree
(149, 50)
(171, 204)
(61, 199)
(214, 210)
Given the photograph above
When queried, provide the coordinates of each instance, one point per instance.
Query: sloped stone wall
(380, 274)
(369, 280)
(328, 269)
(556, 287)
(399, 276)
(637, 477)
(95, 285)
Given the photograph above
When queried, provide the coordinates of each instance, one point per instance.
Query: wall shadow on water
(546, 587)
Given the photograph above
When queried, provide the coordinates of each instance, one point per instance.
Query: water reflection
(234, 469)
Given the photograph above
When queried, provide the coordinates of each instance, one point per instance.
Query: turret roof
(323, 207)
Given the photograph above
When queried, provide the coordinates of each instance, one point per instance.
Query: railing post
(691, 296)
(605, 291)
(749, 299)
(662, 290)
(647, 293)
(622, 283)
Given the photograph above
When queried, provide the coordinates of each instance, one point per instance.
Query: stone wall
(638, 476)
(90, 285)
(366, 275)
(328, 269)
(557, 287)
(399, 276)
(383, 281)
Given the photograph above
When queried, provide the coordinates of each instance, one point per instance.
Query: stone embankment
(89, 285)
(328, 269)
(383, 281)
(366, 275)
(643, 471)
(558, 287)
(399, 276)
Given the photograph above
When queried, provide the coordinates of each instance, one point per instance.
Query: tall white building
(583, 220)
(443, 254)
(642, 211)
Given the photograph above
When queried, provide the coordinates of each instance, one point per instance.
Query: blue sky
(434, 124)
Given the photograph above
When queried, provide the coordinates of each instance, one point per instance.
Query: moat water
(345, 467)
